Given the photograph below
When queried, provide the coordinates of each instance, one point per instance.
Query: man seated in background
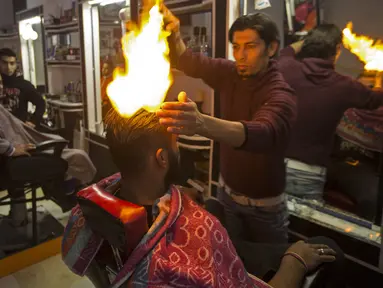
(185, 245)
(16, 138)
(323, 95)
(16, 92)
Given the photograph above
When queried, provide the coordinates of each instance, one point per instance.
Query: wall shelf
(205, 6)
(62, 28)
(14, 36)
(63, 63)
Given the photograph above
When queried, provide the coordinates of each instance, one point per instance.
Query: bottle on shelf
(204, 45)
(193, 44)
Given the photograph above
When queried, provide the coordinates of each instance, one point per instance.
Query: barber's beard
(174, 173)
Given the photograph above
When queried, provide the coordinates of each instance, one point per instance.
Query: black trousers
(360, 183)
(263, 260)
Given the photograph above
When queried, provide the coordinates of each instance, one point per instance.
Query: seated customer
(185, 246)
(323, 95)
(16, 92)
(14, 134)
(355, 161)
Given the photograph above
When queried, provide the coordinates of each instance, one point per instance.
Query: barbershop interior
(250, 200)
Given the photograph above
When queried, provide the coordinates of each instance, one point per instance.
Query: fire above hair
(147, 78)
(368, 51)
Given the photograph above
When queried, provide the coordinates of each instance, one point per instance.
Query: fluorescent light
(104, 2)
(27, 32)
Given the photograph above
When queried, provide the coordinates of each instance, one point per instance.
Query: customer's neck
(140, 191)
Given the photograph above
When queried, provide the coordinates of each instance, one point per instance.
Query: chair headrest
(121, 223)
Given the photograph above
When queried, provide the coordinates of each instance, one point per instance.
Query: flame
(147, 77)
(368, 51)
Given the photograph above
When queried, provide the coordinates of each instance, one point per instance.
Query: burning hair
(259, 22)
(321, 42)
(130, 140)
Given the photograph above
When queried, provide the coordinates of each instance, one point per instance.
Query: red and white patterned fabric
(185, 247)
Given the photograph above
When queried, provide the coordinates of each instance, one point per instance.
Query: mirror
(32, 51)
(102, 32)
(111, 55)
(351, 202)
(300, 17)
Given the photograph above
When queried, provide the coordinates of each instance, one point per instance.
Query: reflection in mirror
(111, 55)
(102, 53)
(301, 17)
(333, 176)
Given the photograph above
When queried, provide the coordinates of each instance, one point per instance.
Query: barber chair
(122, 225)
(28, 173)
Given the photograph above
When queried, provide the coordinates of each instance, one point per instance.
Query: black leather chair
(28, 173)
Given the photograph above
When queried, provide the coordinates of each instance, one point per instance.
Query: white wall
(276, 12)
(367, 18)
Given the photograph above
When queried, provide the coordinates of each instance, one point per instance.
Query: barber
(323, 95)
(16, 92)
(257, 109)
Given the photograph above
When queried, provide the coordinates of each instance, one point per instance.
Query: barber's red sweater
(323, 95)
(265, 105)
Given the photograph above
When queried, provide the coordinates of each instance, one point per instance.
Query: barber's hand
(172, 23)
(181, 117)
(30, 124)
(22, 149)
(312, 254)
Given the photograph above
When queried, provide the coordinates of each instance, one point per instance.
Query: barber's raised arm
(362, 97)
(271, 125)
(292, 50)
(269, 129)
(214, 72)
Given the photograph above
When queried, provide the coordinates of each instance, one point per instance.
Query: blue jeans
(255, 224)
(304, 184)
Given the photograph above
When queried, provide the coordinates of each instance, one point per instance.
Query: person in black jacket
(16, 92)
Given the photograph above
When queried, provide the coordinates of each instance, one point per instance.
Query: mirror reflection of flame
(368, 51)
(147, 78)
(348, 229)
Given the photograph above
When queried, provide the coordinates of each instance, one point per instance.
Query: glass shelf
(65, 28)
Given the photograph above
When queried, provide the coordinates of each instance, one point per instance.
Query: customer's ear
(162, 158)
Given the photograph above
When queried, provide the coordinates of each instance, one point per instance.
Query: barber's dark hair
(131, 140)
(259, 22)
(7, 52)
(321, 42)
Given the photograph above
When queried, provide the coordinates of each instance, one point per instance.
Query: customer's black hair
(7, 52)
(131, 140)
(321, 42)
(259, 22)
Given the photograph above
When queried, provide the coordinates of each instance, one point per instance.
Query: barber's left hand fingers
(180, 131)
(327, 258)
(328, 252)
(318, 246)
(30, 146)
(176, 114)
(184, 106)
(176, 123)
